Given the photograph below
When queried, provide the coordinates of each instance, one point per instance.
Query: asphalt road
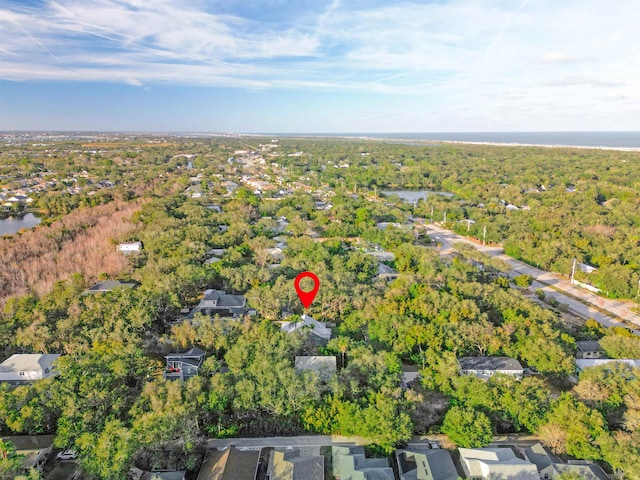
(322, 440)
(581, 302)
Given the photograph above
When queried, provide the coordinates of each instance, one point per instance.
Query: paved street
(322, 440)
(300, 441)
(589, 304)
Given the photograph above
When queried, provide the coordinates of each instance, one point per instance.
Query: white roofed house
(325, 367)
(129, 247)
(22, 368)
(495, 463)
(309, 324)
(596, 362)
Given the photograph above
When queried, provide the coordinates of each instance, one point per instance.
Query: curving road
(581, 302)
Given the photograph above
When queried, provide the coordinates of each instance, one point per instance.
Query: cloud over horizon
(496, 56)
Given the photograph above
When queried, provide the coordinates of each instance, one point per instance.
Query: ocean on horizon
(569, 139)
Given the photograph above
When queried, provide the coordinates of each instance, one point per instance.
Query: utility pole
(573, 270)
(445, 218)
(468, 225)
(484, 235)
(431, 214)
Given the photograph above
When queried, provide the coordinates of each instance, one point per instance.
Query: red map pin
(307, 297)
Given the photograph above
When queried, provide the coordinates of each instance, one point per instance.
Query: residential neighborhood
(423, 355)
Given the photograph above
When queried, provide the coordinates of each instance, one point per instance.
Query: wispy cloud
(527, 54)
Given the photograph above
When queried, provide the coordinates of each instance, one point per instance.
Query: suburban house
(486, 367)
(108, 285)
(183, 366)
(23, 199)
(35, 448)
(306, 323)
(213, 256)
(22, 368)
(596, 362)
(218, 302)
(589, 349)
(350, 463)
(325, 367)
(229, 463)
(382, 256)
(130, 247)
(211, 260)
(551, 467)
(385, 272)
(293, 465)
(492, 463)
(426, 464)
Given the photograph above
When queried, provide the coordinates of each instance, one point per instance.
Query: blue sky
(320, 66)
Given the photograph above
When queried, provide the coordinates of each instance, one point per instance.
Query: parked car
(67, 455)
(434, 445)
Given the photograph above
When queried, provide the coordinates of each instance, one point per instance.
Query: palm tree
(6, 449)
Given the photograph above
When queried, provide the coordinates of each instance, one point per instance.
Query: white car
(67, 455)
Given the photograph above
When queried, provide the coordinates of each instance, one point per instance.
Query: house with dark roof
(218, 302)
(164, 475)
(426, 464)
(551, 467)
(486, 367)
(589, 349)
(294, 465)
(385, 272)
(22, 368)
(183, 366)
(229, 463)
(35, 448)
(108, 285)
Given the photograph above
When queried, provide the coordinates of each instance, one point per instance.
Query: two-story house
(183, 366)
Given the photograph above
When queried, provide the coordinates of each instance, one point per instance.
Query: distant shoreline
(499, 144)
(469, 142)
(408, 138)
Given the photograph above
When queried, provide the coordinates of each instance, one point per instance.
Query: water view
(11, 225)
(412, 196)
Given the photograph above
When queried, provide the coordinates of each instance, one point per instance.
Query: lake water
(413, 196)
(11, 225)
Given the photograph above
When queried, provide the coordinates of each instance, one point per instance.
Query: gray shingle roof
(589, 346)
(489, 363)
(426, 464)
(229, 464)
